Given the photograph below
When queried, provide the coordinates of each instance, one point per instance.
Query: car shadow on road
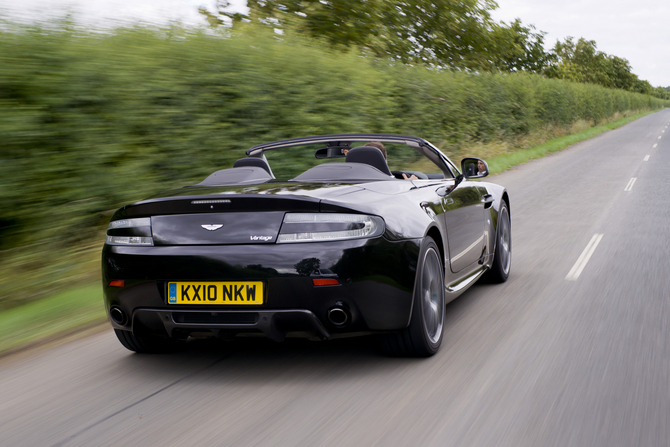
(259, 360)
(251, 359)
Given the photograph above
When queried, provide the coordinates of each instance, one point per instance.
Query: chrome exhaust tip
(338, 316)
(117, 315)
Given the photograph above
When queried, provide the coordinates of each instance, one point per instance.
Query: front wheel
(423, 336)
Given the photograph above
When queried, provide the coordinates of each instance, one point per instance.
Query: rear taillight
(130, 232)
(318, 227)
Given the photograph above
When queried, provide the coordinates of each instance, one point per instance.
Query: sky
(635, 30)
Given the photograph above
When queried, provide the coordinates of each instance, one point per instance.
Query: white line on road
(659, 137)
(630, 184)
(584, 258)
(655, 144)
(646, 158)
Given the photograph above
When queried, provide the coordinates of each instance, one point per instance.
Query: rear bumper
(275, 324)
(376, 282)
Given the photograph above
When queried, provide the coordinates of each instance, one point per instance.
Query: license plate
(229, 292)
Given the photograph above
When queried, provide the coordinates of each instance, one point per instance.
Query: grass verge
(506, 161)
(61, 313)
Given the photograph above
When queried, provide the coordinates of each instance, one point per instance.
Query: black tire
(423, 336)
(502, 258)
(145, 344)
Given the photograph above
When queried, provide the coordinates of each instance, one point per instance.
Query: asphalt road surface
(572, 351)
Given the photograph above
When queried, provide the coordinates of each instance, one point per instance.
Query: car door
(464, 220)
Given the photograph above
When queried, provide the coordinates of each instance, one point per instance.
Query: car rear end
(233, 263)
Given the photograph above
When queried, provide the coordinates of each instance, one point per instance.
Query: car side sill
(466, 281)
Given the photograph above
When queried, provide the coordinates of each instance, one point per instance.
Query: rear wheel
(145, 344)
(423, 336)
(502, 259)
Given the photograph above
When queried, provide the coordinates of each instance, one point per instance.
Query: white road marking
(584, 258)
(630, 184)
(655, 144)
(646, 158)
(659, 137)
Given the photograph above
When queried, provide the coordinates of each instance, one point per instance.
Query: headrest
(252, 161)
(369, 155)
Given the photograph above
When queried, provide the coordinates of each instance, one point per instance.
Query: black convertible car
(345, 247)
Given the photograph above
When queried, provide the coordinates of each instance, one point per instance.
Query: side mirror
(474, 168)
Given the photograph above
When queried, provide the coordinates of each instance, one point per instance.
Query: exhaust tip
(117, 315)
(338, 316)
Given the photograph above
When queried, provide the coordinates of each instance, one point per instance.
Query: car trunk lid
(216, 220)
(217, 228)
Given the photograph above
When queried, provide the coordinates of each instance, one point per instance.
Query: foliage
(222, 16)
(662, 92)
(443, 33)
(90, 121)
(518, 48)
(454, 34)
(581, 62)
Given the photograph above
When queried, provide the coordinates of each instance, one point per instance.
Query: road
(557, 356)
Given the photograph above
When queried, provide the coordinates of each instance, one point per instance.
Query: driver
(381, 147)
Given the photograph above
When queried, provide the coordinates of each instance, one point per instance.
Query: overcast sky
(635, 30)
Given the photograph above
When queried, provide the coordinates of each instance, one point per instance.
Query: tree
(582, 62)
(641, 86)
(519, 48)
(661, 92)
(620, 73)
(444, 33)
(455, 34)
(579, 61)
(222, 15)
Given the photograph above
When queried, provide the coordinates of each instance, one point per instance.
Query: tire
(145, 344)
(423, 336)
(502, 258)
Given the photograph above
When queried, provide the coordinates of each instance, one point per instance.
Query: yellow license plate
(229, 292)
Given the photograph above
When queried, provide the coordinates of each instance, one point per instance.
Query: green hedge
(90, 120)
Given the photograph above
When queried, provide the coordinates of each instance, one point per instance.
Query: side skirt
(457, 287)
